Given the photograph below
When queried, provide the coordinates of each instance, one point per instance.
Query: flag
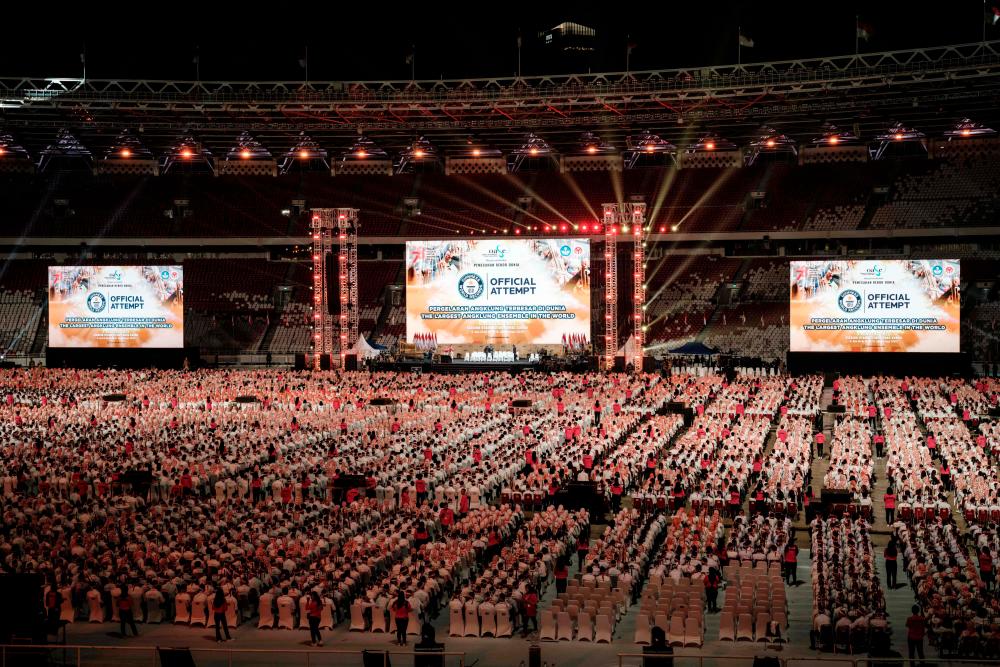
(631, 45)
(745, 41)
(83, 57)
(865, 30)
(304, 62)
(564, 339)
(410, 53)
(518, 39)
(994, 16)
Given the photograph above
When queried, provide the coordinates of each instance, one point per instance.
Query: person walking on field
(401, 613)
(219, 609)
(314, 609)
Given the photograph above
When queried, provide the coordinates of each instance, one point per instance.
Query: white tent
(363, 349)
(628, 350)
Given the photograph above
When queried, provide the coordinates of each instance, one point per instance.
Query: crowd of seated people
(963, 616)
(851, 466)
(849, 606)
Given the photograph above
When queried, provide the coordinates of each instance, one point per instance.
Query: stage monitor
(499, 292)
(116, 307)
(875, 306)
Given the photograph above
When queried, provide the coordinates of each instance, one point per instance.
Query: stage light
(245, 154)
(663, 228)
(533, 151)
(2, 151)
(583, 227)
(649, 149)
(315, 236)
(637, 230)
(897, 136)
(710, 146)
(517, 231)
(125, 153)
(614, 230)
(342, 217)
(562, 228)
(361, 153)
(186, 153)
(418, 153)
(597, 228)
(546, 228)
(674, 228)
(624, 229)
(591, 149)
(834, 140)
(966, 133)
(475, 151)
(770, 143)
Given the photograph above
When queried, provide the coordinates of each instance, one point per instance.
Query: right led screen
(874, 305)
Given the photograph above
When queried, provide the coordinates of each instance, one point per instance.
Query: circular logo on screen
(565, 251)
(471, 286)
(937, 270)
(96, 302)
(164, 274)
(849, 301)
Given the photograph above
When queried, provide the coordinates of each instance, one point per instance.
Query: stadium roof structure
(929, 89)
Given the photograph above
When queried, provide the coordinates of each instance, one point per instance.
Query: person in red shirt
(314, 611)
(401, 613)
(986, 568)
(791, 560)
(420, 535)
(583, 547)
(219, 608)
(447, 517)
(421, 486)
(616, 494)
(879, 440)
(464, 502)
(562, 575)
(889, 499)
(916, 628)
(820, 439)
(125, 615)
(891, 556)
(529, 604)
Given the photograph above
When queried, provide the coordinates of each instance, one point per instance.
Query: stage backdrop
(116, 306)
(520, 292)
(875, 306)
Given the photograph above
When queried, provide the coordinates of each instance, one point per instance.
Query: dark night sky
(157, 40)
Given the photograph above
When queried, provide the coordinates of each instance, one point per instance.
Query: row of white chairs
(586, 628)
(379, 620)
(681, 630)
(286, 619)
(472, 621)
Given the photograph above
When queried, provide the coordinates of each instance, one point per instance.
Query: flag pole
(739, 45)
(307, 64)
(857, 27)
(413, 63)
(984, 23)
(519, 52)
(628, 50)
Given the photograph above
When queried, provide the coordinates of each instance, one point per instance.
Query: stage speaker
(324, 362)
(351, 362)
(619, 366)
(175, 657)
(300, 361)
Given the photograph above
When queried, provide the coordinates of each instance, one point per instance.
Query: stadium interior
(698, 475)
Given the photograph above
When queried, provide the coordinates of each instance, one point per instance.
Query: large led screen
(875, 306)
(116, 306)
(500, 292)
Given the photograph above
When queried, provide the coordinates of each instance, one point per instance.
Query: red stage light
(546, 228)
(186, 153)
(304, 154)
(597, 229)
(562, 228)
(245, 154)
(834, 140)
(583, 228)
(361, 153)
(2, 151)
(533, 151)
(614, 230)
(517, 231)
(770, 143)
(966, 133)
(418, 153)
(475, 151)
(710, 146)
(591, 149)
(125, 153)
(342, 217)
(649, 149)
(663, 228)
(637, 230)
(898, 136)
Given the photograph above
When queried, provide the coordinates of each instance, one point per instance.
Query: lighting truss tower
(325, 223)
(639, 282)
(322, 225)
(610, 286)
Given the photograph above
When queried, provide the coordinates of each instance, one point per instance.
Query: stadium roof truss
(912, 85)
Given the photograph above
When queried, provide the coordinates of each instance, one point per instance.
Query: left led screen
(116, 306)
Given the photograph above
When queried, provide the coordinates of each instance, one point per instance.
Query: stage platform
(461, 366)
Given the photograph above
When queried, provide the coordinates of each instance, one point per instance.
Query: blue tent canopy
(694, 347)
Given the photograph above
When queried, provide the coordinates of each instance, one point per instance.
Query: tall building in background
(569, 46)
